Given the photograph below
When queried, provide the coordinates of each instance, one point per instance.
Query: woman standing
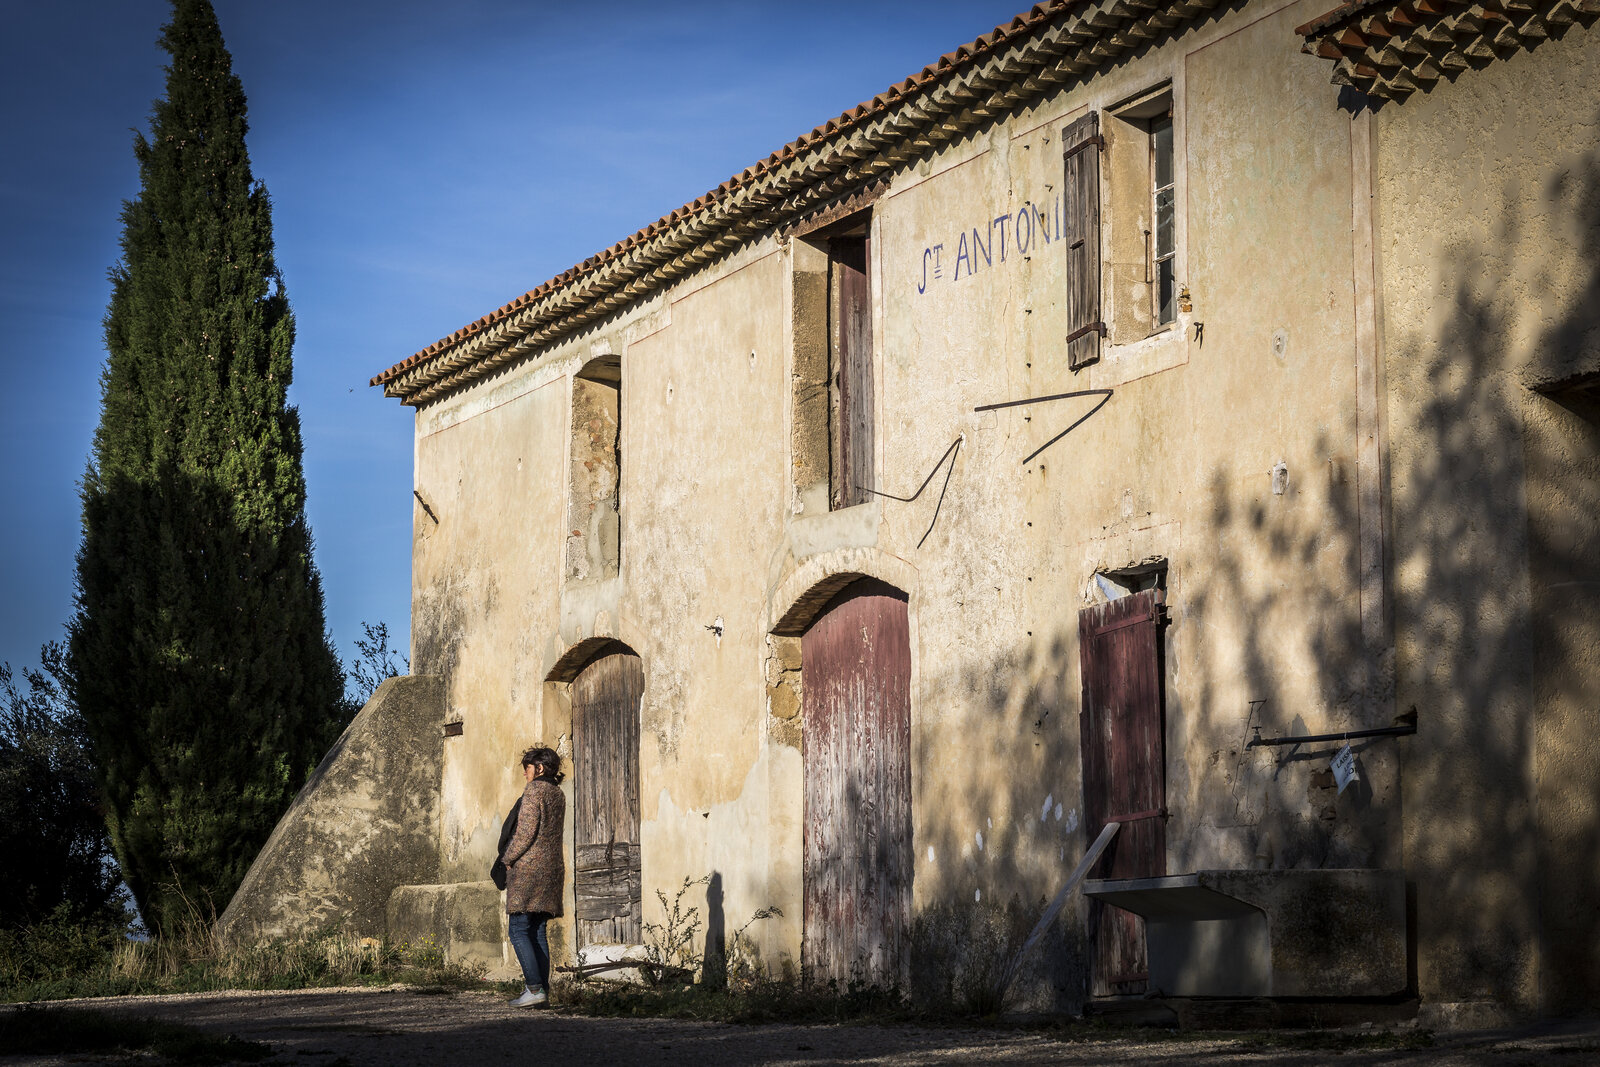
(536, 870)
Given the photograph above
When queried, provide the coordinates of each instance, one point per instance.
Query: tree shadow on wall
(1496, 570)
(1488, 626)
(1008, 829)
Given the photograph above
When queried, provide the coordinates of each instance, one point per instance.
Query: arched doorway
(856, 747)
(605, 795)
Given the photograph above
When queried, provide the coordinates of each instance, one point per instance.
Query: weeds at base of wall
(59, 960)
(670, 945)
(675, 951)
(959, 952)
(765, 1000)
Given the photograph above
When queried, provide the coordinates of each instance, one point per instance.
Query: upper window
(1121, 225)
(833, 442)
(593, 545)
(1163, 207)
(850, 368)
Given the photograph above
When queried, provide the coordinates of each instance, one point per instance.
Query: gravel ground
(332, 1028)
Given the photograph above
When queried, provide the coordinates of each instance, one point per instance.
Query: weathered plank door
(1124, 772)
(605, 789)
(856, 695)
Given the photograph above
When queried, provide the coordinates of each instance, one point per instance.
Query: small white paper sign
(1344, 768)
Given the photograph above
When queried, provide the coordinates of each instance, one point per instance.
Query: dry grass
(58, 963)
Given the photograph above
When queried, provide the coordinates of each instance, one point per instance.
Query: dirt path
(332, 1028)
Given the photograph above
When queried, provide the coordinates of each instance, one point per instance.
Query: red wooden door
(605, 790)
(1124, 772)
(856, 693)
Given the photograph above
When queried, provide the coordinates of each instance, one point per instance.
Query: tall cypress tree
(199, 656)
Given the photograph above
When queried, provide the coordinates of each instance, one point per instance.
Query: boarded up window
(856, 738)
(1081, 143)
(1124, 772)
(593, 547)
(605, 787)
(850, 367)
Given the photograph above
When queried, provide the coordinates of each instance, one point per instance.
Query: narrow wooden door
(605, 789)
(1124, 772)
(856, 686)
(851, 402)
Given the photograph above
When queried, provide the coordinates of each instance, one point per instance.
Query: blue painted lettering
(1022, 229)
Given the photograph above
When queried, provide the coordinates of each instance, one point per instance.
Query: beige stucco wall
(1488, 190)
(1267, 610)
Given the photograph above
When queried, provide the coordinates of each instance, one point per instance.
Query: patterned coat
(536, 863)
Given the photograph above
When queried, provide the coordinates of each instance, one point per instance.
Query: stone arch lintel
(575, 659)
(800, 597)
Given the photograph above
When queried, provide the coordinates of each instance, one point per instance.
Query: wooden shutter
(1082, 143)
(850, 315)
(1122, 734)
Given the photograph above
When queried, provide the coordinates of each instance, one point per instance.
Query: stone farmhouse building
(1039, 446)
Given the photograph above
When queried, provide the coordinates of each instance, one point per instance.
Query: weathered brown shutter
(1123, 745)
(1081, 143)
(605, 787)
(850, 309)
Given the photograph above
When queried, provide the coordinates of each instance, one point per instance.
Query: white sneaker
(531, 998)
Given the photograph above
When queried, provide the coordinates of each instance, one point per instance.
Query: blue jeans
(528, 941)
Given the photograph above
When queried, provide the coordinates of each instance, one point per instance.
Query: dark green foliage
(55, 952)
(57, 1031)
(51, 830)
(198, 652)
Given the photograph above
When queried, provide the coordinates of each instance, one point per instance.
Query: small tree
(374, 662)
(198, 653)
(52, 833)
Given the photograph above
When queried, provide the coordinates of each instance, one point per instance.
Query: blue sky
(427, 163)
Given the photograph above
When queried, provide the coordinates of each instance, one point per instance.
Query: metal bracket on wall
(949, 453)
(1103, 394)
(1404, 725)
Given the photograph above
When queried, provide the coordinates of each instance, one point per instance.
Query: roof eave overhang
(1389, 49)
(1053, 44)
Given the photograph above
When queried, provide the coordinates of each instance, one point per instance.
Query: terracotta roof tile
(1103, 17)
(861, 111)
(1392, 48)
